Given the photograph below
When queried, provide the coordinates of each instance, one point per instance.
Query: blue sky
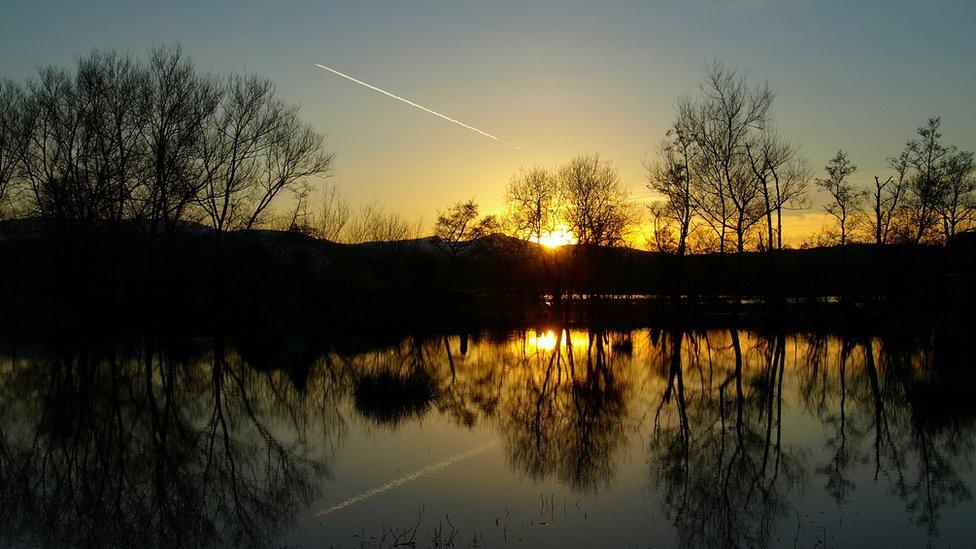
(558, 78)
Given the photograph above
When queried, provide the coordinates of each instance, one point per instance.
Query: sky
(555, 78)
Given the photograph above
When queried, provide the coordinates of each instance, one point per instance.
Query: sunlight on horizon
(560, 236)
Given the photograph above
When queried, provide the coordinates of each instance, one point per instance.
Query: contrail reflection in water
(429, 470)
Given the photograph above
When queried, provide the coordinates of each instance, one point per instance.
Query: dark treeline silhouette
(149, 144)
(108, 168)
(142, 184)
(725, 176)
(287, 275)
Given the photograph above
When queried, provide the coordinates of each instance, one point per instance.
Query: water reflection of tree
(564, 404)
(159, 442)
(843, 455)
(718, 457)
(560, 409)
(886, 402)
(150, 444)
(716, 451)
(395, 385)
(566, 421)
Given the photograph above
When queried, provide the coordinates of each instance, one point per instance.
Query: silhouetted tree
(54, 153)
(253, 148)
(845, 199)
(783, 178)
(533, 201)
(152, 141)
(374, 223)
(178, 103)
(334, 214)
(940, 186)
(957, 201)
(459, 225)
(887, 198)
(671, 177)
(9, 136)
(727, 115)
(114, 88)
(598, 209)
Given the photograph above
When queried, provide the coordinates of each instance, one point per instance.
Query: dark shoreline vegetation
(142, 191)
(191, 282)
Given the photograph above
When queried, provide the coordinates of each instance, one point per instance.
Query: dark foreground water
(529, 438)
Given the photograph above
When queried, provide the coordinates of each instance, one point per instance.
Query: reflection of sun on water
(560, 236)
(544, 340)
(547, 340)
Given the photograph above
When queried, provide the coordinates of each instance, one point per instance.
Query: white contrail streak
(430, 469)
(412, 104)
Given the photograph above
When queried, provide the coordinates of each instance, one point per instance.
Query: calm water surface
(531, 438)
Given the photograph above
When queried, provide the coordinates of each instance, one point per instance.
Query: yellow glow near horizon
(560, 236)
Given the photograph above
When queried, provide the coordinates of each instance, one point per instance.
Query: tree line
(152, 142)
(726, 176)
(930, 198)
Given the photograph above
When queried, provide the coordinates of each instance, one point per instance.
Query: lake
(533, 437)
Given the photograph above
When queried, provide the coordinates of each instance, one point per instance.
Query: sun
(560, 236)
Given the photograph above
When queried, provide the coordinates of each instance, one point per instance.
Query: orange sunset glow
(548, 274)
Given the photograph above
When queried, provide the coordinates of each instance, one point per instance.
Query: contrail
(430, 469)
(412, 104)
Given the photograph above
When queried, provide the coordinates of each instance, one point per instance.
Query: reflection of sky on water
(547, 435)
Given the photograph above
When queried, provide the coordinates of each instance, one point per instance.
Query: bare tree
(81, 140)
(374, 223)
(49, 149)
(792, 187)
(65, 148)
(845, 198)
(727, 115)
(887, 198)
(957, 201)
(533, 201)
(598, 209)
(178, 102)
(334, 214)
(254, 148)
(929, 160)
(783, 180)
(113, 85)
(296, 153)
(664, 236)
(10, 103)
(235, 140)
(152, 141)
(301, 218)
(671, 177)
(459, 225)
